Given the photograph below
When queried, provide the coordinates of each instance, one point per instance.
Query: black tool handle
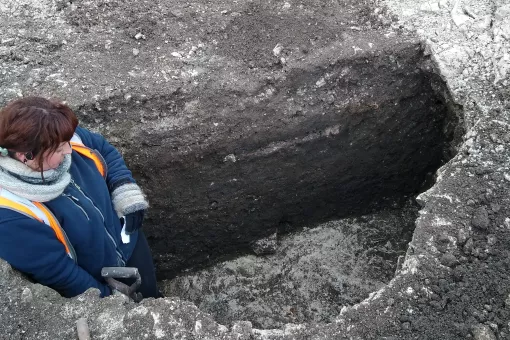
(112, 273)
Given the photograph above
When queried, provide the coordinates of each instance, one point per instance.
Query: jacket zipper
(102, 216)
(75, 202)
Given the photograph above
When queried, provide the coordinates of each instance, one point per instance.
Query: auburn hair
(36, 125)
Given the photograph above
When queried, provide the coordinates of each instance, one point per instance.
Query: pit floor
(310, 277)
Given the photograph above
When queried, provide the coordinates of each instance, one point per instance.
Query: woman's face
(50, 160)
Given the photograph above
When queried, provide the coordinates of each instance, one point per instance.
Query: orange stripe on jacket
(7, 203)
(53, 224)
(87, 152)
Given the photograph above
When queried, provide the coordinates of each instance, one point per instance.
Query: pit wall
(328, 140)
(454, 282)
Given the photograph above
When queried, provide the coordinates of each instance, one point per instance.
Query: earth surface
(166, 77)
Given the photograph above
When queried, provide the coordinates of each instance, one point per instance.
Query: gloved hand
(133, 221)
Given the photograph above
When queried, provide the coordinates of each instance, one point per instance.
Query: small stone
(136, 52)
(458, 273)
(176, 54)
(480, 218)
(449, 260)
(460, 19)
(482, 332)
(480, 316)
(242, 330)
(462, 236)
(26, 295)
(213, 205)
(277, 50)
(507, 301)
(230, 158)
(193, 50)
(10, 41)
(491, 240)
(176, 13)
(320, 83)
(430, 7)
(495, 207)
(139, 36)
(266, 245)
(468, 247)
(437, 305)
(294, 329)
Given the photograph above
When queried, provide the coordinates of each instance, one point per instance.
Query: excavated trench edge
(455, 112)
(452, 132)
(324, 131)
(214, 197)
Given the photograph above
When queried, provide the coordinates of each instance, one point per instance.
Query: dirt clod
(449, 260)
(483, 332)
(480, 218)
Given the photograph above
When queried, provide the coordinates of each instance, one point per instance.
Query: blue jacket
(86, 213)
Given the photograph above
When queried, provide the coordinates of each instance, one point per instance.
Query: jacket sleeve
(31, 247)
(127, 197)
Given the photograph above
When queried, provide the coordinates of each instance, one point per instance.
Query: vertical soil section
(327, 140)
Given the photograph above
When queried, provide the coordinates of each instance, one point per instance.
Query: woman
(38, 165)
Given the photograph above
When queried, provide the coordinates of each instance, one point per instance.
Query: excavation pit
(381, 133)
(335, 135)
(358, 165)
(327, 141)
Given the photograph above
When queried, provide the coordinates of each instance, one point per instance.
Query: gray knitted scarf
(21, 180)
